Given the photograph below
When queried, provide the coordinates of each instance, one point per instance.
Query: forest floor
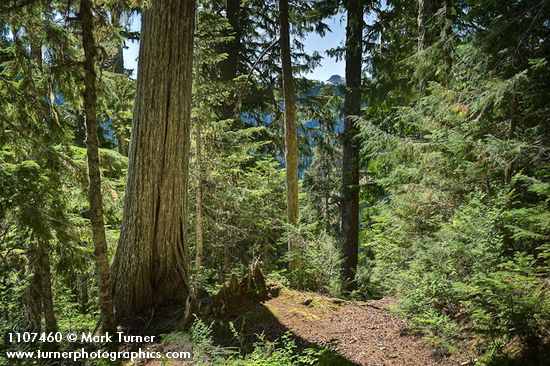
(357, 332)
(353, 332)
(363, 333)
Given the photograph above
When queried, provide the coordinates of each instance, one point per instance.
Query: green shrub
(281, 352)
(319, 266)
(512, 303)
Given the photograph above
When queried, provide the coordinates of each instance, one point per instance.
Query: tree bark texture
(291, 149)
(108, 323)
(350, 164)
(151, 264)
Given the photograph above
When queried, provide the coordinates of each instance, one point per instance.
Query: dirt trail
(357, 333)
(362, 332)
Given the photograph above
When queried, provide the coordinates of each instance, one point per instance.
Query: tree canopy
(420, 176)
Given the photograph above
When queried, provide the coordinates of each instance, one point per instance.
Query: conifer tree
(291, 148)
(108, 323)
(151, 264)
(350, 157)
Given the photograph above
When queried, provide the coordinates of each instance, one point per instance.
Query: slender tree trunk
(291, 149)
(198, 197)
(350, 164)
(199, 244)
(229, 66)
(118, 68)
(108, 323)
(427, 30)
(226, 260)
(83, 295)
(33, 293)
(42, 265)
(228, 69)
(33, 296)
(152, 259)
(47, 297)
(509, 170)
(118, 64)
(267, 262)
(327, 216)
(426, 10)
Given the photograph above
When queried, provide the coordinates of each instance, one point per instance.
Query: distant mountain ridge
(336, 80)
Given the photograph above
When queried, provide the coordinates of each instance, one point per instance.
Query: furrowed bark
(151, 264)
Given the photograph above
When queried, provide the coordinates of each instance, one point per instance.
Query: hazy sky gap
(312, 42)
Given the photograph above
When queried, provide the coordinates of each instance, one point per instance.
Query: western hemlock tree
(350, 156)
(291, 150)
(233, 10)
(151, 263)
(108, 323)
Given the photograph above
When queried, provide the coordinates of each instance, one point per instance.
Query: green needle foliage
(454, 166)
(459, 221)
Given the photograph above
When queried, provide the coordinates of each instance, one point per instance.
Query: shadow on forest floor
(343, 332)
(253, 318)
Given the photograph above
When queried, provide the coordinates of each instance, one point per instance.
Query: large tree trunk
(350, 164)
(152, 259)
(291, 149)
(108, 323)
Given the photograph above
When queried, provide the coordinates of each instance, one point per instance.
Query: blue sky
(313, 42)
